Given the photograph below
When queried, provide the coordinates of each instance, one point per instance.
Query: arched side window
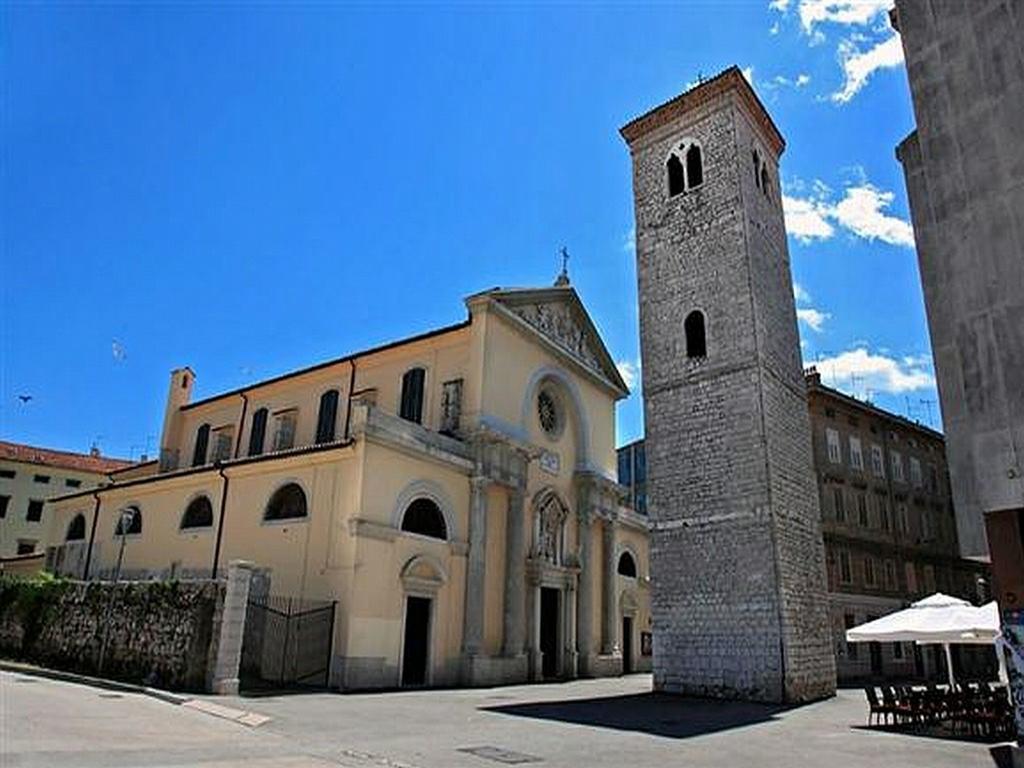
(198, 514)
(627, 565)
(202, 442)
(134, 524)
(694, 167)
(676, 179)
(696, 339)
(287, 503)
(258, 432)
(328, 416)
(765, 182)
(411, 406)
(424, 517)
(76, 528)
(757, 168)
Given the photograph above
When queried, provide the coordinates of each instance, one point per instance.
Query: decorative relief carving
(557, 321)
(550, 515)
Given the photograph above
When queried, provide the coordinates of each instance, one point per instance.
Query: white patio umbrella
(937, 619)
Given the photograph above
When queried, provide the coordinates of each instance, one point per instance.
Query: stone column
(609, 604)
(585, 595)
(515, 575)
(224, 675)
(473, 616)
(570, 665)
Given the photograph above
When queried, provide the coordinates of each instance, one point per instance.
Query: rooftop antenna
(854, 378)
(869, 394)
(928, 406)
(563, 277)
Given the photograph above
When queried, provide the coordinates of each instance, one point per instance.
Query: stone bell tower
(737, 560)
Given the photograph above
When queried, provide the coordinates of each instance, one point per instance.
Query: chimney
(178, 394)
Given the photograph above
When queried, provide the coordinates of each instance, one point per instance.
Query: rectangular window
(4, 501)
(26, 547)
(927, 530)
(877, 461)
(328, 417)
(933, 479)
(284, 431)
(869, 571)
(897, 466)
(837, 500)
(901, 518)
(410, 406)
(862, 510)
(625, 468)
(257, 432)
(850, 621)
(911, 575)
(890, 574)
(834, 452)
(72, 483)
(915, 472)
(199, 451)
(451, 406)
(44, 479)
(223, 444)
(856, 456)
(7, 474)
(897, 650)
(845, 574)
(883, 513)
(35, 511)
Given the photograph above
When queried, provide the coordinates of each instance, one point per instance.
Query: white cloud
(858, 65)
(774, 30)
(861, 212)
(800, 294)
(779, 5)
(802, 80)
(748, 72)
(850, 12)
(806, 219)
(629, 240)
(812, 318)
(629, 371)
(859, 369)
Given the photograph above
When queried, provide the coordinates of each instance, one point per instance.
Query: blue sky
(252, 189)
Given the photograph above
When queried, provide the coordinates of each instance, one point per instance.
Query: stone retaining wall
(162, 634)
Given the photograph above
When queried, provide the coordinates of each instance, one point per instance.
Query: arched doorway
(422, 578)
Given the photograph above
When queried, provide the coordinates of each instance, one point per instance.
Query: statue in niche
(550, 514)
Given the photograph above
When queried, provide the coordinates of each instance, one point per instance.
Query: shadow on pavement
(658, 714)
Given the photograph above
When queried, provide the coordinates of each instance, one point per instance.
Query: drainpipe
(92, 535)
(241, 423)
(220, 523)
(351, 388)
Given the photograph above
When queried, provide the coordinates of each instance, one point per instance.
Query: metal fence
(287, 642)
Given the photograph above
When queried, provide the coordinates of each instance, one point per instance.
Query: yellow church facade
(453, 492)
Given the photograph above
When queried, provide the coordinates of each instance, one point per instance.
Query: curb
(95, 682)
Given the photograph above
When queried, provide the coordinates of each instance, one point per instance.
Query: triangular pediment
(557, 315)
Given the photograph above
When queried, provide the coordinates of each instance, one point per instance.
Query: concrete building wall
(737, 560)
(964, 168)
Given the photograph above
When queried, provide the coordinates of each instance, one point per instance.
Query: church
(452, 494)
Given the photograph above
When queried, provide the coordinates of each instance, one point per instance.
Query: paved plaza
(610, 722)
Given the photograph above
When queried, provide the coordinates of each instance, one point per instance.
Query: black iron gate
(287, 642)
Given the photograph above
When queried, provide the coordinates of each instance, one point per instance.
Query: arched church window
(76, 529)
(198, 514)
(424, 517)
(676, 179)
(696, 340)
(627, 565)
(694, 167)
(287, 503)
(411, 406)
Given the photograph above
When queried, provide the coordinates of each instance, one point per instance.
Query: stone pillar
(609, 604)
(515, 576)
(473, 616)
(570, 657)
(585, 596)
(224, 677)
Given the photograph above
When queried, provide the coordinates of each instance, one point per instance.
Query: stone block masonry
(157, 633)
(737, 561)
